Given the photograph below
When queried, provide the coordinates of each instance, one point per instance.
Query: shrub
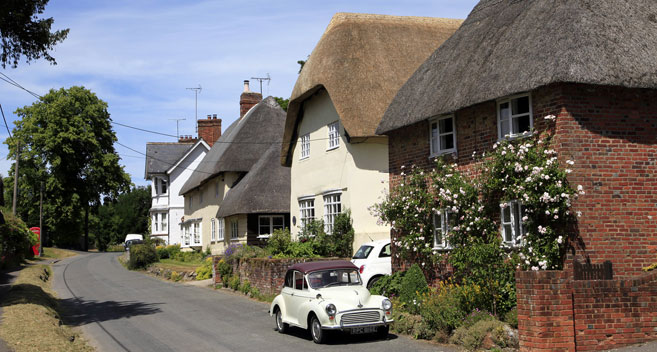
(413, 284)
(245, 287)
(343, 235)
(441, 310)
(204, 271)
(188, 257)
(115, 248)
(175, 276)
(234, 282)
(173, 250)
(389, 285)
(162, 252)
(141, 256)
(279, 241)
(475, 317)
(511, 317)
(472, 338)
(15, 239)
(225, 271)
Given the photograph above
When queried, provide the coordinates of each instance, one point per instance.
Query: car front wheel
(280, 325)
(316, 330)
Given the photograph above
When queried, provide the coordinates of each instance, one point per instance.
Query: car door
(294, 296)
(381, 259)
(288, 295)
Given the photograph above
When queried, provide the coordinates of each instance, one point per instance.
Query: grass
(176, 264)
(30, 319)
(57, 253)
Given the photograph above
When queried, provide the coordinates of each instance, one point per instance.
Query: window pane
(508, 235)
(446, 125)
(506, 214)
(521, 124)
(520, 105)
(504, 128)
(278, 221)
(264, 230)
(447, 142)
(264, 221)
(504, 111)
(434, 137)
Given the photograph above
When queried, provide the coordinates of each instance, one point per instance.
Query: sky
(141, 56)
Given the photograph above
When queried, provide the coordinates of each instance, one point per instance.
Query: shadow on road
(338, 337)
(77, 311)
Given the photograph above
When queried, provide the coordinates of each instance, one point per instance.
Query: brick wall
(610, 132)
(556, 313)
(209, 129)
(267, 275)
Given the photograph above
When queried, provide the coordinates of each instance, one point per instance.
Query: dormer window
(514, 117)
(163, 186)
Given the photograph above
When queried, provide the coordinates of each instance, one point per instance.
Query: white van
(131, 238)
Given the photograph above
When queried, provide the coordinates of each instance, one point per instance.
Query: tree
(23, 34)
(128, 213)
(67, 143)
(282, 102)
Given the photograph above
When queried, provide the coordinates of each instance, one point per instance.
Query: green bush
(337, 244)
(413, 285)
(187, 257)
(15, 240)
(173, 250)
(471, 338)
(441, 311)
(389, 285)
(279, 242)
(141, 256)
(162, 252)
(115, 248)
(245, 287)
(204, 271)
(175, 276)
(225, 271)
(234, 282)
(475, 317)
(511, 317)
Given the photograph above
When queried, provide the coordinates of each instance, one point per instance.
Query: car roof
(377, 243)
(323, 265)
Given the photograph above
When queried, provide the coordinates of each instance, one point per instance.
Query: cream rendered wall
(359, 170)
(241, 229)
(213, 192)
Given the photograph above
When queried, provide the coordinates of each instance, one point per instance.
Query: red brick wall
(545, 311)
(610, 132)
(556, 313)
(247, 101)
(209, 129)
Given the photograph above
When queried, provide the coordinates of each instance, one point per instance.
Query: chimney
(248, 99)
(209, 129)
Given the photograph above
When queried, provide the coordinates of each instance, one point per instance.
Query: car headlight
(330, 309)
(386, 304)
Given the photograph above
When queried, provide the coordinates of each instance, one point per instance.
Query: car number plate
(363, 330)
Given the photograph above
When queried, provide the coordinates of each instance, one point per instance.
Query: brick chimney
(209, 129)
(187, 139)
(248, 99)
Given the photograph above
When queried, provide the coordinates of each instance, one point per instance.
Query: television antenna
(196, 90)
(177, 120)
(260, 79)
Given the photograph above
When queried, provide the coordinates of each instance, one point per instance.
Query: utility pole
(260, 79)
(18, 153)
(196, 90)
(178, 120)
(41, 221)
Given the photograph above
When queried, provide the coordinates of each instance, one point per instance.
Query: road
(121, 310)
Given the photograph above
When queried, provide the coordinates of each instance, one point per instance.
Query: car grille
(365, 317)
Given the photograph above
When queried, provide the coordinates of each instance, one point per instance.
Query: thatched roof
(161, 156)
(509, 46)
(265, 189)
(362, 60)
(242, 144)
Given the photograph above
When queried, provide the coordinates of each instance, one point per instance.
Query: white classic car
(329, 295)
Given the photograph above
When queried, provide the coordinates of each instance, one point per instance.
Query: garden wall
(265, 274)
(557, 313)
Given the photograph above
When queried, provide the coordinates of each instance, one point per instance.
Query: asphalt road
(120, 310)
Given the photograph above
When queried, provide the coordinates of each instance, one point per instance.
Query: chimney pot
(246, 85)
(214, 116)
(209, 116)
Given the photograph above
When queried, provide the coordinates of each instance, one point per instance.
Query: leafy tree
(302, 63)
(128, 213)
(68, 144)
(282, 102)
(23, 34)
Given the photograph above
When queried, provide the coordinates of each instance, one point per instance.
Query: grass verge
(30, 319)
(57, 253)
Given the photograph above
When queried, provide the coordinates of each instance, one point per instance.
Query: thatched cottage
(337, 161)
(589, 63)
(237, 194)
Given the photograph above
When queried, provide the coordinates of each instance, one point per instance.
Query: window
(186, 235)
(163, 221)
(307, 211)
(197, 233)
(299, 281)
(443, 222)
(513, 223)
(220, 229)
(332, 207)
(385, 251)
(514, 116)
(443, 136)
(234, 232)
(289, 279)
(156, 224)
(268, 223)
(333, 135)
(163, 186)
(213, 230)
(305, 146)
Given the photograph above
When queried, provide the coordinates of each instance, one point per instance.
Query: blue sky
(140, 56)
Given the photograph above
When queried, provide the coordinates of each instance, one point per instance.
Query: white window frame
(196, 231)
(305, 146)
(186, 235)
(271, 224)
(220, 229)
(437, 151)
(234, 230)
(441, 227)
(213, 230)
(306, 210)
(330, 207)
(163, 222)
(155, 223)
(509, 100)
(517, 227)
(333, 135)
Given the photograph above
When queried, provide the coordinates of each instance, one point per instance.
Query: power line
(160, 160)
(144, 130)
(18, 85)
(3, 117)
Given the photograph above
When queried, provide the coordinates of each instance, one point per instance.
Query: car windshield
(362, 252)
(333, 277)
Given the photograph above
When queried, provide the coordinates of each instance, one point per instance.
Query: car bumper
(354, 326)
